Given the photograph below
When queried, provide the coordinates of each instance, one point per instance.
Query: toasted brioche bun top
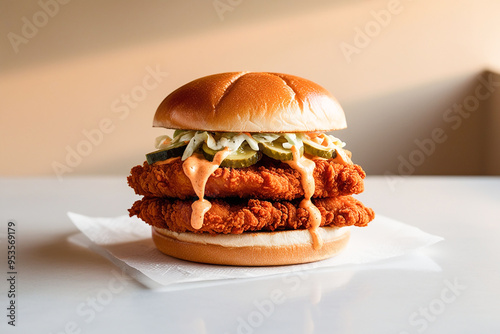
(251, 102)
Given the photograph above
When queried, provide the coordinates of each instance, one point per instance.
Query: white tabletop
(63, 288)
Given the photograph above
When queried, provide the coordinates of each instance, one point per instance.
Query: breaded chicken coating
(266, 180)
(240, 215)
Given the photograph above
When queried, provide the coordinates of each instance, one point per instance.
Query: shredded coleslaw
(218, 141)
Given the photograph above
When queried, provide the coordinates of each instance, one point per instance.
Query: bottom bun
(252, 249)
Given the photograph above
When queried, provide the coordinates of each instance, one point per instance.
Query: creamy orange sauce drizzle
(305, 167)
(342, 157)
(198, 170)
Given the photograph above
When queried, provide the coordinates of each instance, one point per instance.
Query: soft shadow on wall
(391, 131)
(447, 128)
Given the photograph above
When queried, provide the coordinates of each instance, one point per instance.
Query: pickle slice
(244, 156)
(318, 150)
(276, 150)
(174, 150)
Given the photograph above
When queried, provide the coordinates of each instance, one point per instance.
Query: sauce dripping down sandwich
(198, 170)
(305, 167)
(238, 138)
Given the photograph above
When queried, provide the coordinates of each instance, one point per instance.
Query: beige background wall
(80, 80)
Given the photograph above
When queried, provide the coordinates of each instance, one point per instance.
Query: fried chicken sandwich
(250, 178)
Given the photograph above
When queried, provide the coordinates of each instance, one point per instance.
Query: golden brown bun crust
(251, 102)
(262, 255)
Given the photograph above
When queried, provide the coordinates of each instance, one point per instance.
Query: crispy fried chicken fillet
(239, 215)
(267, 180)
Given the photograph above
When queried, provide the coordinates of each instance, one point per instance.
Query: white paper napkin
(127, 242)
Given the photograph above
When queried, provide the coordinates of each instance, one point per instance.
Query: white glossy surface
(63, 288)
